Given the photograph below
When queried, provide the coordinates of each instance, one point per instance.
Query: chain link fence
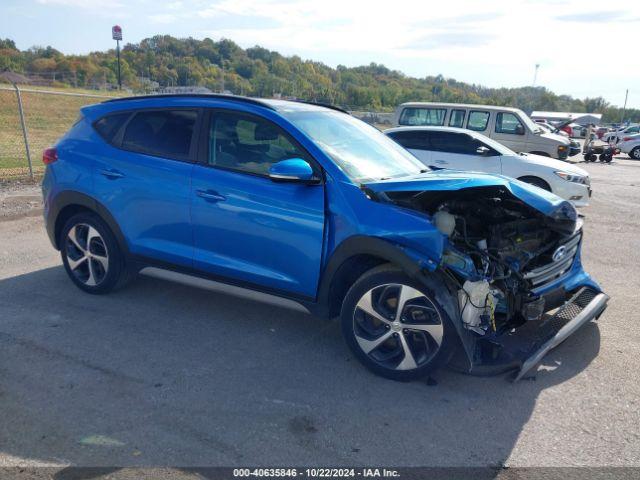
(30, 121)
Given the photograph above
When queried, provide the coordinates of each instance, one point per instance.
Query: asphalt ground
(163, 374)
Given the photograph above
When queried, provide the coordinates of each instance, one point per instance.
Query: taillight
(50, 155)
(626, 139)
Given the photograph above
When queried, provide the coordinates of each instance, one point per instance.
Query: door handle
(211, 196)
(112, 174)
(442, 162)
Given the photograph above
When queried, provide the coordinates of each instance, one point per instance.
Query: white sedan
(461, 149)
(631, 146)
(615, 137)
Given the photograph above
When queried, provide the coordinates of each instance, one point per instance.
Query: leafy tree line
(224, 66)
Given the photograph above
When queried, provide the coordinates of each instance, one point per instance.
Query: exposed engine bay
(498, 244)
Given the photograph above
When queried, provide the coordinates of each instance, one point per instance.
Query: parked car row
(618, 135)
(423, 267)
(508, 126)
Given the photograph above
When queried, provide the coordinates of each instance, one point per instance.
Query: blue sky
(494, 43)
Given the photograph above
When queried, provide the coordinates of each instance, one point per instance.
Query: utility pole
(116, 34)
(535, 75)
(624, 109)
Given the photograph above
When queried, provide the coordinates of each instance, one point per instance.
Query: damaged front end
(512, 262)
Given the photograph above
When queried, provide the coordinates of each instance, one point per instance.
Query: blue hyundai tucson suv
(303, 201)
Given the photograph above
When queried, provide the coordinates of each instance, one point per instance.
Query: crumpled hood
(441, 180)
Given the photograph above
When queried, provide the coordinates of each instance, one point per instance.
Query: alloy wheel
(398, 327)
(87, 254)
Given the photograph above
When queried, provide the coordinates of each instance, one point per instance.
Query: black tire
(103, 251)
(538, 182)
(635, 153)
(389, 359)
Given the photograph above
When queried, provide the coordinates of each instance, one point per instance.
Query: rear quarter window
(109, 126)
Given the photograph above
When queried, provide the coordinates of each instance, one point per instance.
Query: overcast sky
(494, 43)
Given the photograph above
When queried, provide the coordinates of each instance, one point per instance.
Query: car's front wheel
(635, 153)
(394, 325)
(91, 255)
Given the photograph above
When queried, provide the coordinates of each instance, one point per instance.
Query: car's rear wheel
(394, 325)
(538, 182)
(635, 153)
(91, 255)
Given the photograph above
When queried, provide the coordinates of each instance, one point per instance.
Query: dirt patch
(19, 200)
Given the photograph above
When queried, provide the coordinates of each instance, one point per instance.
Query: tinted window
(454, 143)
(457, 118)
(164, 133)
(508, 123)
(417, 140)
(422, 116)
(108, 126)
(478, 120)
(249, 144)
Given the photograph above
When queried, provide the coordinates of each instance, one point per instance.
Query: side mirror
(292, 170)
(519, 130)
(482, 150)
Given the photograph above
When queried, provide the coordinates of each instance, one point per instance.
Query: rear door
(459, 151)
(246, 226)
(143, 179)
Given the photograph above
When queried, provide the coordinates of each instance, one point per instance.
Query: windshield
(360, 150)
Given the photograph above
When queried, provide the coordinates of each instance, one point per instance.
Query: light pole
(116, 34)
(624, 109)
(535, 75)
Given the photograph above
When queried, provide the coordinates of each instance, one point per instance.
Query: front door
(246, 226)
(510, 132)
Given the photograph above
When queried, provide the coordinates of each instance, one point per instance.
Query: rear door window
(457, 118)
(451, 142)
(162, 133)
(422, 116)
(110, 125)
(418, 140)
(478, 120)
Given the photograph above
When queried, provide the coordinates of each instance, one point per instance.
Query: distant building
(579, 118)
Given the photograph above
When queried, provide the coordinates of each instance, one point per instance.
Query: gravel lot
(165, 374)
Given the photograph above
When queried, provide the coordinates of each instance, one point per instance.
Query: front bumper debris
(583, 307)
(521, 349)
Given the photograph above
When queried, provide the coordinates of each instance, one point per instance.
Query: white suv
(461, 149)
